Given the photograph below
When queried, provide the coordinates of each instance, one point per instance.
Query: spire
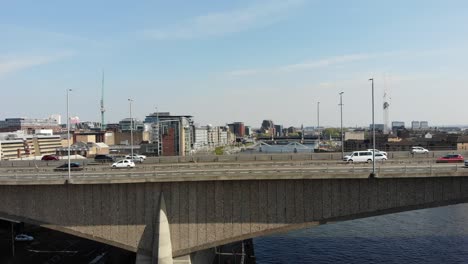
(103, 125)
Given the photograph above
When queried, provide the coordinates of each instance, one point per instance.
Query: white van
(359, 156)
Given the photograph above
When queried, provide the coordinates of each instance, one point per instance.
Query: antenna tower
(103, 125)
(386, 106)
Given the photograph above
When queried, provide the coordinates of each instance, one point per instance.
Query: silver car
(419, 150)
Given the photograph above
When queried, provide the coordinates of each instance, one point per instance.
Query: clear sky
(226, 61)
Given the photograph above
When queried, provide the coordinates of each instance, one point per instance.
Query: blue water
(437, 235)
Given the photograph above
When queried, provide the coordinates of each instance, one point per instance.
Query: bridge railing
(264, 173)
(239, 158)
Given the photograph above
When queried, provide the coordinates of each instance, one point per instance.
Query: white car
(123, 164)
(359, 156)
(378, 151)
(136, 157)
(419, 150)
(466, 163)
(23, 237)
(380, 156)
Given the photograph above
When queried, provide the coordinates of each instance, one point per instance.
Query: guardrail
(146, 166)
(233, 173)
(239, 158)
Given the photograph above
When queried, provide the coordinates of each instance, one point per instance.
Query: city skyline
(244, 61)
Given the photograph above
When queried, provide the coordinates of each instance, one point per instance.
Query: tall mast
(386, 106)
(103, 125)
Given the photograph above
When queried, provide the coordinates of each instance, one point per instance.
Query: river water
(437, 235)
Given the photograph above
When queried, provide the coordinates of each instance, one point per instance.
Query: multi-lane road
(39, 171)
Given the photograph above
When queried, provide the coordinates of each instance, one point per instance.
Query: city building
(22, 145)
(88, 126)
(354, 135)
(201, 139)
(126, 123)
(92, 137)
(248, 130)
(279, 130)
(378, 127)
(424, 125)
(29, 125)
(267, 127)
(398, 125)
(57, 118)
(170, 135)
(238, 128)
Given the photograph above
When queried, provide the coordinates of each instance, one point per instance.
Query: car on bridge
(74, 166)
(359, 156)
(126, 163)
(103, 158)
(136, 156)
(23, 238)
(419, 150)
(378, 151)
(450, 158)
(50, 157)
(380, 156)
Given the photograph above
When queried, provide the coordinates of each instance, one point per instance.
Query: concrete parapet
(205, 213)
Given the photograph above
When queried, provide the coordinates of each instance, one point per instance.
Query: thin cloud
(322, 63)
(327, 62)
(12, 64)
(258, 15)
(245, 72)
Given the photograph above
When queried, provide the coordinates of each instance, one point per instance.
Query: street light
(373, 131)
(131, 128)
(341, 110)
(157, 128)
(318, 125)
(68, 135)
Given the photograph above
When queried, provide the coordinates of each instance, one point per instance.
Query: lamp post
(318, 125)
(341, 115)
(157, 128)
(131, 128)
(68, 134)
(373, 131)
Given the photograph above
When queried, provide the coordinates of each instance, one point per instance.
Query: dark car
(103, 158)
(50, 157)
(73, 167)
(451, 158)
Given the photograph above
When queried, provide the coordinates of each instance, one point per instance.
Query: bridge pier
(161, 239)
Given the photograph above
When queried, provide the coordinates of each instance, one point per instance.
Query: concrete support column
(161, 239)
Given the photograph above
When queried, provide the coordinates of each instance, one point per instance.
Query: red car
(50, 157)
(451, 158)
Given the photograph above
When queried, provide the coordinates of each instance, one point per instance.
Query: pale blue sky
(225, 61)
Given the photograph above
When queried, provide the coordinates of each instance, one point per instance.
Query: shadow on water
(437, 235)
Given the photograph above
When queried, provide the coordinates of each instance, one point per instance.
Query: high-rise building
(278, 130)
(238, 128)
(424, 125)
(415, 125)
(171, 135)
(201, 138)
(268, 127)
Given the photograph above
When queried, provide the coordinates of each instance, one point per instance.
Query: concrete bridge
(161, 215)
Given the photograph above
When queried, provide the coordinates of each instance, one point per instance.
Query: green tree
(333, 132)
(219, 150)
